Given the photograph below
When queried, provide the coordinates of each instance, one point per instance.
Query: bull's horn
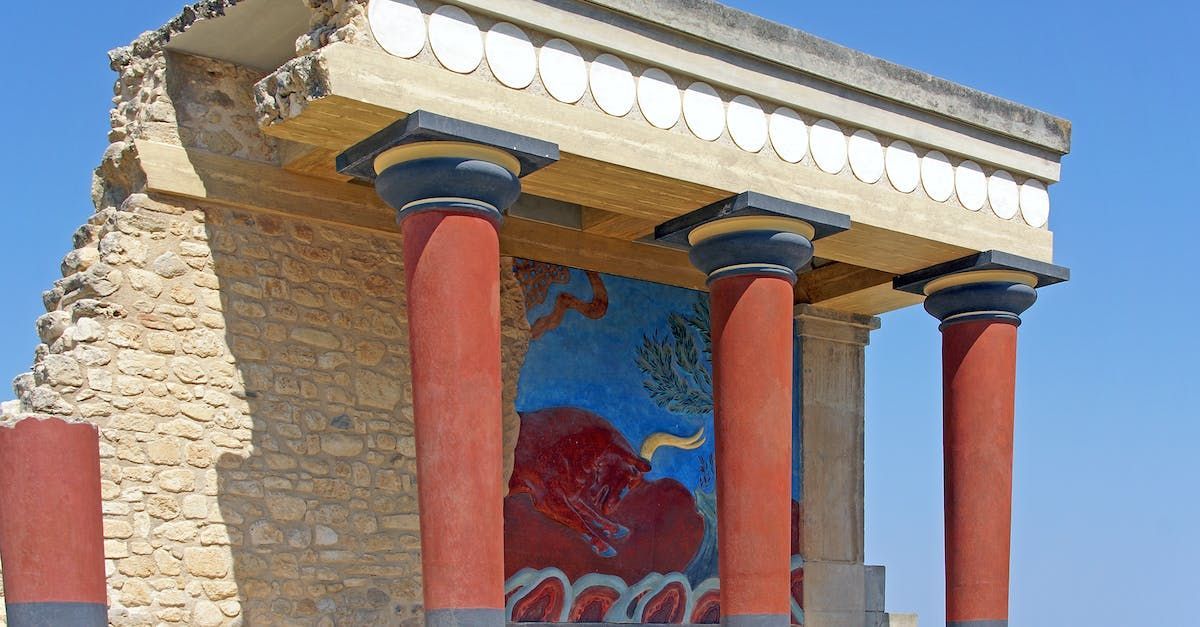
(654, 441)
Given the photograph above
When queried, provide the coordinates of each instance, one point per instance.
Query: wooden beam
(618, 225)
(837, 279)
(310, 161)
(228, 181)
(253, 185)
(201, 175)
(555, 244)
(618, 189)
(872, 301)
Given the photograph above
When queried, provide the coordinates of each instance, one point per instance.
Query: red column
(752, 399)
(979, 299)
(450, 182)
(51, 531)
(452, 266)
(979, 372)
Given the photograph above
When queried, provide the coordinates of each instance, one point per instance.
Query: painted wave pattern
(548, 596)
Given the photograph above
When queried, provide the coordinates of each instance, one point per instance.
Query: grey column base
(464, 618)
(977, 623)
(757, 620)
(57, 614)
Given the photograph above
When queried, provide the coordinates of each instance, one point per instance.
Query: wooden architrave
(228, 181)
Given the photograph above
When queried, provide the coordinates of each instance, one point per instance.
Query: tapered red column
(978, 374)
(454, 331)
(450, 183)
(751, 248)
(51, 534)
(979, 300)
(752, 399)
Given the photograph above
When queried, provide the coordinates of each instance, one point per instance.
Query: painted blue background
(1104, 521)
(591, 364)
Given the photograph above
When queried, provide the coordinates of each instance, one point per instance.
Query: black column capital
(991, 285)
(751, 233)
(428, 161)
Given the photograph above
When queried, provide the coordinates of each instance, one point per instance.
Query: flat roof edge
(757, 36)
(153, 41)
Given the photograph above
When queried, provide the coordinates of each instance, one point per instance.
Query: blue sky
(1107, 477)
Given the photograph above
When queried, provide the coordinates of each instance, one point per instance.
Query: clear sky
(1106, 528)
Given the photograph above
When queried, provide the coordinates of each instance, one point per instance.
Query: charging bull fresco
(611, 513)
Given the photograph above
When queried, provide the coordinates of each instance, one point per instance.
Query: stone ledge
(760, 37)
(836, 326)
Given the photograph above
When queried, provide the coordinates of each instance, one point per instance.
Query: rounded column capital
(448, 175)
(760, 245)
(990, 285)
(991, 295)
(430, 162)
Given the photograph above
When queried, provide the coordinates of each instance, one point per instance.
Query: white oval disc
(903, 166)
(612, 85)
(510, 55)
(703, 111)
(398, 26)
(828, 145)
(866, 156)
(937, 175)
(563, 70)
(455, 39)
(1035, 203)
(658, 97)
(1003, 195)
(971, 184)
(747, 124)
(789, 135)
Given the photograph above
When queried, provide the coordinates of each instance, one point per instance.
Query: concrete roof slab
(791, 47)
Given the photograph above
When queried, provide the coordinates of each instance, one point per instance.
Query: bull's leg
(562, 511)
(610, 529)
(588, 518)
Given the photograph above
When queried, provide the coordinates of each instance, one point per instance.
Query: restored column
(751, 248)
(979, 301)
(51, 533)
(450, 183)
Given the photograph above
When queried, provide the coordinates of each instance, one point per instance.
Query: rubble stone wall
(249, 376)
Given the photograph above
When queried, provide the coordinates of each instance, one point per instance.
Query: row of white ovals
(400, 29)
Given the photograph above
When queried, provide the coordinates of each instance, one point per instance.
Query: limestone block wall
(249, 376)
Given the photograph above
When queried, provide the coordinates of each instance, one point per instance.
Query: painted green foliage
(677, 366)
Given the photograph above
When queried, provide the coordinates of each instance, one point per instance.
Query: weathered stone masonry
(249, 375)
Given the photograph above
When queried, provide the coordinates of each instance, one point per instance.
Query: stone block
(902, 620)
(830, 351)
(834, 619)
(834, 587)
(876, 585)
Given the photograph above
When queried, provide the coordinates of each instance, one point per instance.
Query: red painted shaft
(752, 405)
(452, 265)
(979, 374)
(51, 530)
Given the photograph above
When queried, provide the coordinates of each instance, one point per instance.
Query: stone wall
(249, 375)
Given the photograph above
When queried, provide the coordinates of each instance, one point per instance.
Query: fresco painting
(611, 512)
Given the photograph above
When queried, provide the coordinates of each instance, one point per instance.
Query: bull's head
(617, 472)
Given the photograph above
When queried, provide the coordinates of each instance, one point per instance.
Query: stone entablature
(954, 170)
(922, 186)
(460, 43)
